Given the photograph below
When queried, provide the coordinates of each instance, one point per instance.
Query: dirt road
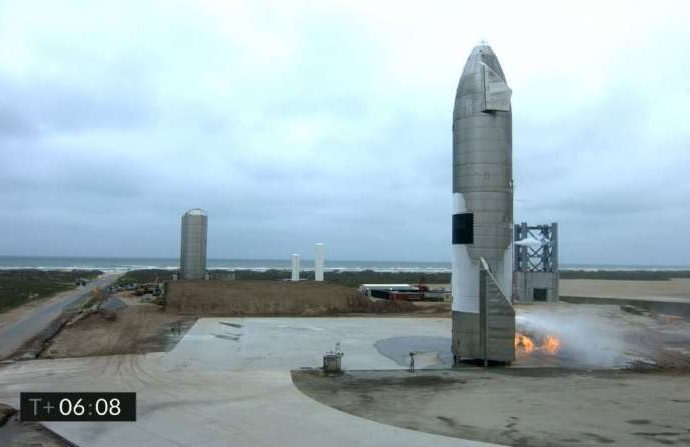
(32, 322)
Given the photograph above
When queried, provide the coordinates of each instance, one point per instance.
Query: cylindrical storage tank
(295, 267)
(318, 262)
(193, 244)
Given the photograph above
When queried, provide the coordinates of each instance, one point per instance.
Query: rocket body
(482, 190)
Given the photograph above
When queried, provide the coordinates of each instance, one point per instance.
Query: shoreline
(125, 264)
(567, 271)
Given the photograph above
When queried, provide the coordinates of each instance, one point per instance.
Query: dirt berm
(272, 298)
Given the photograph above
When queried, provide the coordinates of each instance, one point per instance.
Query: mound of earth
(305, 298)
(128, 330)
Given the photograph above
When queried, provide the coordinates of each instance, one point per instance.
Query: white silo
(318, 262)
(295, 267)
(193, 244)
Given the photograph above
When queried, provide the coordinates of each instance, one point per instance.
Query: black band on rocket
(463, 228)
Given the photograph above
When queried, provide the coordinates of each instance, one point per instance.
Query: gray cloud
(299, 123)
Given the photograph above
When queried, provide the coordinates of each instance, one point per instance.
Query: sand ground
(519, 407)
(136, 329)
(675, 289)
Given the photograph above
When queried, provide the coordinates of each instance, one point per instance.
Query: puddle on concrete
(430, 352)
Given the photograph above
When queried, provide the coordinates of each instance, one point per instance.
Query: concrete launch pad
(229, 381)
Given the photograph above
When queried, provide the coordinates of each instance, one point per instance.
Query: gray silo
(193, 244)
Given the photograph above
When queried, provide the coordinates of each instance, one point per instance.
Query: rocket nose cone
(482, 73)
(482, 55)
(482, 49)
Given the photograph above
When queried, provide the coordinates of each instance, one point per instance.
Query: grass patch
(144, 276)
(21, 286)
(350, 279)
(354, 279)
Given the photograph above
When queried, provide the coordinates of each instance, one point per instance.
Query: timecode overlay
(78, 406)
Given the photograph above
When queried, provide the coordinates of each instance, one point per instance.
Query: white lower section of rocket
(465, 276)
(465, 281)
(465, 273)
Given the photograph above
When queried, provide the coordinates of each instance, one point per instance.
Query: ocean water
(125, 264)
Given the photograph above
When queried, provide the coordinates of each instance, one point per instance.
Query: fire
(551, 344)
(524, 344)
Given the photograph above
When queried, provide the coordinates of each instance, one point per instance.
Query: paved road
(14, 335)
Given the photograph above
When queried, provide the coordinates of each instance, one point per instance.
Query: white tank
(295, 267)
(318, 261)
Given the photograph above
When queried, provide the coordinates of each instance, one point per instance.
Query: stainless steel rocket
(482, 211)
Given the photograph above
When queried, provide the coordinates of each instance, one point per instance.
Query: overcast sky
(295, 122)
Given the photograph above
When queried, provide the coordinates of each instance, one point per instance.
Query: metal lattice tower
(536, 262)
(541, 259)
